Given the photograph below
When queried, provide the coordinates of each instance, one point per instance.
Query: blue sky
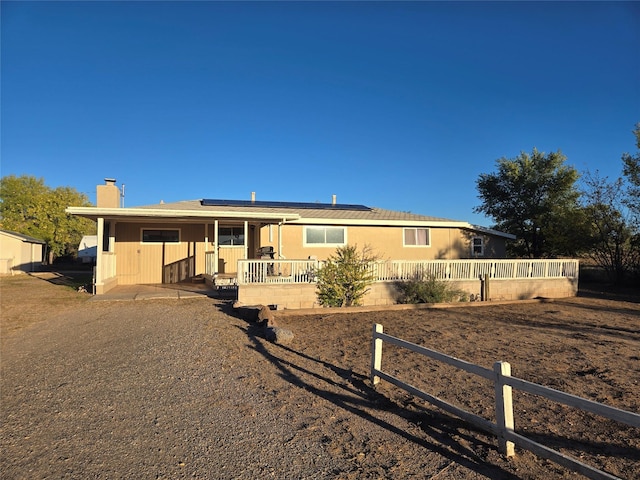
(388, 104)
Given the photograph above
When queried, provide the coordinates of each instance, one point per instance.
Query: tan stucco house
(169, 242)
(20, 253)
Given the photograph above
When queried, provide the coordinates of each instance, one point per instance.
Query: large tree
(533, 197)
(612, 237)
(631, 171)
(30, 207)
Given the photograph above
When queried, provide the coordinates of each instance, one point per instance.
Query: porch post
(206, 245)
(99, 247)
(246, 239)
(280, 239)
(216, 254)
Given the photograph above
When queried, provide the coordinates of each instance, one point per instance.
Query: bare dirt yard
(188, 389)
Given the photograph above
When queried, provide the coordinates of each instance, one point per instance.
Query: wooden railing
(277, 271)
(178, 271)
(301, 271)
(474, 269)
(503, 383)
(210, 267)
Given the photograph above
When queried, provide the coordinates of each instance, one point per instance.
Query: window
(160, 236)
(416, 237)
(233, 236)
(477, 246)
(325, 236)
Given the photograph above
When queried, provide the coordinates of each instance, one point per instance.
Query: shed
(20, 253)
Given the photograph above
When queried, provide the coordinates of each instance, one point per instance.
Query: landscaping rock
(278, 335)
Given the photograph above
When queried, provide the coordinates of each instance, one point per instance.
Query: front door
(231, 242)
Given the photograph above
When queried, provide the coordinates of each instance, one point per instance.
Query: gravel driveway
(184, 389)
(152, 390)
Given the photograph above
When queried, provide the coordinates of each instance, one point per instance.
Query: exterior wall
(387, 242)
(297, 296)
(138, 263)
(18, 256)
(142, 263)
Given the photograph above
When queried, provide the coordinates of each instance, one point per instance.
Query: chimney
(108, 195)
(253, 197)
(333, 199)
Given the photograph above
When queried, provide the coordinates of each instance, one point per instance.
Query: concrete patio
(176, 291)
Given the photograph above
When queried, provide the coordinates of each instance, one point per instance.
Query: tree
(613, 238)
(30, 207)
(631, 171)
(532, 197)
(345, 277)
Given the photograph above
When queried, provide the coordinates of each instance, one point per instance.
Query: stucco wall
(297, 296)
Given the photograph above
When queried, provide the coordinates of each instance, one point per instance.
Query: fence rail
(302, 271)
(503, 383)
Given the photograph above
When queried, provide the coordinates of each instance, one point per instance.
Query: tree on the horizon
(631, 171)
(612, 238)
(533, 197)
(30, 207)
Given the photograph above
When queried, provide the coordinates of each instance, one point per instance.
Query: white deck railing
(277, 271)
(303, 271)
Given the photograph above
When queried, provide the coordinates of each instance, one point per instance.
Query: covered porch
(144, 246)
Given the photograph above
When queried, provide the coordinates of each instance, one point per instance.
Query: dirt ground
(188, 389)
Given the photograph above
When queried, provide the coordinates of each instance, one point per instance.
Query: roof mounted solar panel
(209, 202)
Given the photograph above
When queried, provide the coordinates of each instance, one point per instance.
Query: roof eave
(147, 213)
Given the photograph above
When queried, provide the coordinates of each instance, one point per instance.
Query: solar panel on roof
(208, 202)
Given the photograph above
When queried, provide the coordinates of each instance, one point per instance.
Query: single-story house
(20, 253)
(169, 242)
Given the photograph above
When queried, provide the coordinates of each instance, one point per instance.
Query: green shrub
(345, 277)
(429, 290)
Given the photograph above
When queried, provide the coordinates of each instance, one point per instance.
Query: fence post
(504, 407)
(376, 354)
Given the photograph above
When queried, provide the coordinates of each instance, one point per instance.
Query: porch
(291, 283)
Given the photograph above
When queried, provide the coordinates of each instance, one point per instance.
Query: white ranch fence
(302, 271)
(503, 382)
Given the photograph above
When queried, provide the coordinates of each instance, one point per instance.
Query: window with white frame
(231, 236)
(477, 246)
(417, 237)
(325, 236)
(160, 235)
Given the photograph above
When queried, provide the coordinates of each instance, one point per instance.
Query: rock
(278, 335)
